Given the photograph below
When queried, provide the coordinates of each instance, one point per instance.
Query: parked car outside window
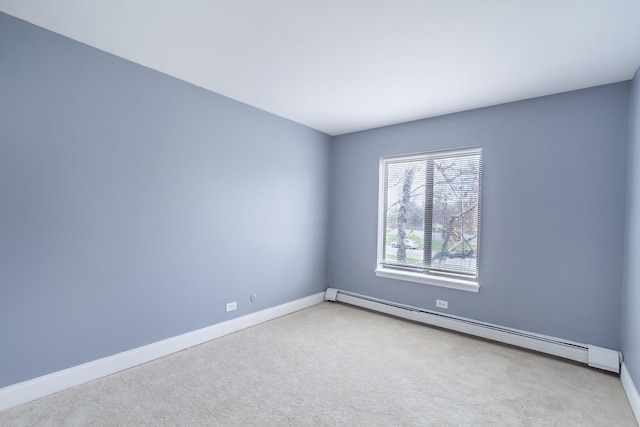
(408, 243)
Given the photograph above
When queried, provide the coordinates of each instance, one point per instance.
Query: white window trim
(410, 276)
(426, 279)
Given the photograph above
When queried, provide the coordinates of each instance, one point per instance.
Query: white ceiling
(341, 66)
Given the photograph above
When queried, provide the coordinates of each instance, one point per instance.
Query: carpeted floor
(333, 364)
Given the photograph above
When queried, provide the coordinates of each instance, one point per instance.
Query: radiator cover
(596, 357)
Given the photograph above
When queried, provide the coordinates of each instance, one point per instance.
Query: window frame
(447, 280)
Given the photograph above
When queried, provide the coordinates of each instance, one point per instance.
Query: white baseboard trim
(631, 391)
(17, 394)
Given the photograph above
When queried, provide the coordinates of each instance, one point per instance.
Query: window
(430, 218)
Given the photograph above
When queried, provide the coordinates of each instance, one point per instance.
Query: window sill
(445, 282)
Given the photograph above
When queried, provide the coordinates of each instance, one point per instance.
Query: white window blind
(431, 213)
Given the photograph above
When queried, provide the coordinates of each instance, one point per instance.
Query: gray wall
(551, 249)
(631, 289)
(133, 206)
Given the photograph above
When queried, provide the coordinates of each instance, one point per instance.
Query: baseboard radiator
(593, 356)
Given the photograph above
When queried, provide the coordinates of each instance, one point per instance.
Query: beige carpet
(337, 365)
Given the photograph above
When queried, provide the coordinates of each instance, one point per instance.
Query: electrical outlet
(231, 306)
(440, 303)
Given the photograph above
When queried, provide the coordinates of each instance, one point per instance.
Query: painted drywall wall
(133, 206)
(631, 288)
(553, 209)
